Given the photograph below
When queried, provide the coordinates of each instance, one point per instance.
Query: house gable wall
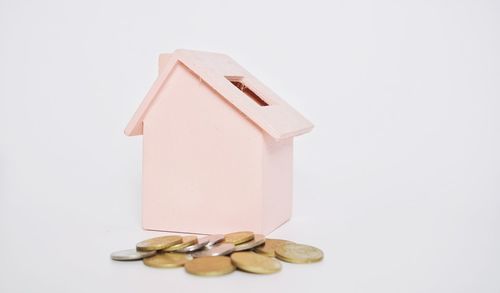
(203, 161)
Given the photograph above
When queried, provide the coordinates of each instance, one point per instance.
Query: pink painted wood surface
(278, 119)
(209, 165)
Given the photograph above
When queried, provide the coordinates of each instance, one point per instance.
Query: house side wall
(278, 182)
(202, 169)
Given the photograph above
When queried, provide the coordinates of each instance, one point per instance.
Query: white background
(399, 183)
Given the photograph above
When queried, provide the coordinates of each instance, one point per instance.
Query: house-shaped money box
(218, 148)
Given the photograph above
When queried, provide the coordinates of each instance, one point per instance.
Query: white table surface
(398, 183)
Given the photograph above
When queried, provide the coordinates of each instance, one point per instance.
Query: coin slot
(248, 92)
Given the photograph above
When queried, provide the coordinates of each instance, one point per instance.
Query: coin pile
(217, 255)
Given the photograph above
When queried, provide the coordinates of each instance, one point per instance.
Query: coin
(238, 237)
(214, 239)
(270, 245)
(202, 242)
(186, 241)
(131, 254)
(256, 241)
(298, 253)
(255, 263)
(166, 260)
(210, 266)
(158, 243)
(217, 250)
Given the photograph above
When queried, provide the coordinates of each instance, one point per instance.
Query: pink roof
(277, 118)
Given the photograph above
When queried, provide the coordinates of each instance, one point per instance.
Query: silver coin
(221, 249)
(258, 239)
(202, 242)
(131, 254)
(214, 239)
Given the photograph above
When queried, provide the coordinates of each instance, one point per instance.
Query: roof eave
(133, 129)
(291, 134)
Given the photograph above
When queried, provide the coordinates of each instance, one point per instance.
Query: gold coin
(270, 246)
(257, 240)
(238, 237)
(210, 266)
(255, 263)
(298, 253)
(166, 260)
(158, 243)
(186, 241)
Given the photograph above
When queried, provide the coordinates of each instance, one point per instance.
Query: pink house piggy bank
(218, 148)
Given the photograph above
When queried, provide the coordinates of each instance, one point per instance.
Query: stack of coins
(216, 255)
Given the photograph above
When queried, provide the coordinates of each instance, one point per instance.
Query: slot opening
(248, 92)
